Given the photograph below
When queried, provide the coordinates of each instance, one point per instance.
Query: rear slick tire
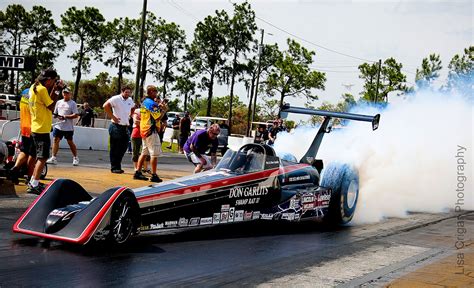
(343, 180)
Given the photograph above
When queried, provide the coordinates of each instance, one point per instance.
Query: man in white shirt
(119, 108)
(65, 110)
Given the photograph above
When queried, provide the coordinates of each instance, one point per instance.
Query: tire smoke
(419, 160)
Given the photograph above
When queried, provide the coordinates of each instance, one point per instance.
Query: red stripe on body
(221, 183)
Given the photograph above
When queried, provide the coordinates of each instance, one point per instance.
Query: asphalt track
(261, 254)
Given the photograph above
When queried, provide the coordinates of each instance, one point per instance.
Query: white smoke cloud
(409, 163)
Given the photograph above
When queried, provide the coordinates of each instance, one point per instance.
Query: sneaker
(75, 161)
(35, 190)
(13, 176)
(52, 160)
(139, 176)
(117, 171)
(155, 178)
(148, 171)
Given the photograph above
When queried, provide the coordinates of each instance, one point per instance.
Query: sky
(343, 34)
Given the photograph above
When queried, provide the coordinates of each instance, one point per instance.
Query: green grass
(165, 144)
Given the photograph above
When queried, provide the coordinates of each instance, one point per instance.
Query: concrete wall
(84, 137)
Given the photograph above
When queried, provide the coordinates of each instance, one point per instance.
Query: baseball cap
(66, 90)
(49, 73)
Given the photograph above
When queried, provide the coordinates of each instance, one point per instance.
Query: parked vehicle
(202, 122)
(171, 116)
(9, 101)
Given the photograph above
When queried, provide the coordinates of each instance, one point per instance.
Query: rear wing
(350, 116)
(310, 155)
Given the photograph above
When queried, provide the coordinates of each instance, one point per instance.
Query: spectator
(261, 136)
(65, 111)
(184, 130)
(43, 94)
(175, 135)
(197, 145)
(276, 128)
(27, 155)
(87, 116)
(151, 113)
(137, 141)
(119, 108)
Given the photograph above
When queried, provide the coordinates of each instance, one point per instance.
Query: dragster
(252, 183)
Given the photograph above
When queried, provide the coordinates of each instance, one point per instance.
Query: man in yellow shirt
(42, 101)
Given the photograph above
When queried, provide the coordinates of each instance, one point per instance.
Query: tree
(270, 108)
(241, 31)
(13, 22)
(121, 35)
(185, 87)
(172, 40)
(292, 75)
(45, 42)
(206, 52)
(86, 27)
(461, 72)
(429, 71)
(391, 79)
(150, 46)
(345, 105)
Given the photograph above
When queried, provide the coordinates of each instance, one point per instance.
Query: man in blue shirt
(197, 145)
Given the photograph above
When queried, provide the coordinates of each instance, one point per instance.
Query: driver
(197, 145)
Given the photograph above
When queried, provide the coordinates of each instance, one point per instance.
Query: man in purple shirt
(197, 145)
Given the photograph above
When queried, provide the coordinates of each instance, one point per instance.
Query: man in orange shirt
(27, 155)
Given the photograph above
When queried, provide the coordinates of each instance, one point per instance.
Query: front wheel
(122, 219)
(343, 180)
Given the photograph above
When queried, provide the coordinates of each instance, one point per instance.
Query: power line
(182, 10)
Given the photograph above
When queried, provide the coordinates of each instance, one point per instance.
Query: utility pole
(378, 81)
(140, 48)
(260, 51)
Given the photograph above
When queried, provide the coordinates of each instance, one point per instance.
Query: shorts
(196, 161)
(60, 134)
(175, 135)
(152, 145)
(41, 144)
(27, 146)
(136, 148)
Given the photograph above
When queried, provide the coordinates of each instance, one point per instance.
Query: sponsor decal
(273, 162)
(101, 235)
(156, 226)
(59, 213)
(324, 197)
(292, 203)
(194, 221)
(248, 215)
(308, 199)
(256, 215)
(231, 214)
(308, 206)
(225, 207)
(241, 192)
(297, 216)
(299, 178)
(266, 216)
(216, 218)
(288, 216)
(145, 228)
(224, 217)
(239, 215)
(171, 224)
(206, 221)
(183, 222)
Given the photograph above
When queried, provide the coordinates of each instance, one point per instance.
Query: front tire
(343, 180)
(122, 219)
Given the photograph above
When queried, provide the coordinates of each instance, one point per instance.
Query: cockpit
(249, 158)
